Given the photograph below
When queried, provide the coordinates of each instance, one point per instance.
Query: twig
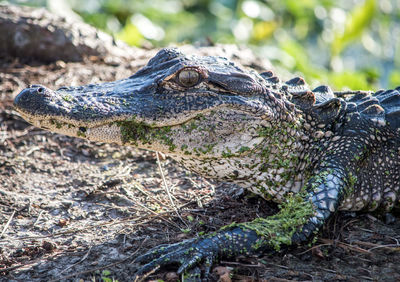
(10, 268)
(167, 190)
(192, 202)
(82, 259)
(314, 247)
(277, 265)
(350, 222)
(137, 186)
(33, 149)
(366, 278)
(394, 239)
(140, 279)
(393, 247)
(345, 246)
(364, 229)
(198, 200)
(241, 264)
(7, 224)
(133, 201)
(38, 218)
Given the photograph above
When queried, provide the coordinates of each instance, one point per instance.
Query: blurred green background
(346, 43)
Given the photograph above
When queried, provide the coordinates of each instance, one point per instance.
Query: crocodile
(315, 152)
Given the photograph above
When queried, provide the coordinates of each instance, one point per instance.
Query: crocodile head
(186, 106)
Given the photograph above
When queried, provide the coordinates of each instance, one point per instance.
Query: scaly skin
(315, 152)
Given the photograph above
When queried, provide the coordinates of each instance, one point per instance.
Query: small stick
(38, 218)
(7, 224)
(138, 187)
(167, 190)
(82, 259)
(141, 279)
(345, 246)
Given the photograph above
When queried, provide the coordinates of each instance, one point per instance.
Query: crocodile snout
(32, 93)
(33, 97)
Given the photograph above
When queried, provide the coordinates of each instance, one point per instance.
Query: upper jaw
(97, 105)
(90, 106)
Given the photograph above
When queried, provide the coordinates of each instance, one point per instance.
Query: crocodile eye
(188, 78)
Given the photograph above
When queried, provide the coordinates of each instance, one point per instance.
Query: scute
(319, 103)
(296, 85)
(271, 79)
(365, 103)
(330, 110)
(267, 74)
(296, 81)
(373, 110)
(304, 100)
(393, 119)
(391, 99)
(383, 105)
(359, 97)
(323, 93)
(164, 55)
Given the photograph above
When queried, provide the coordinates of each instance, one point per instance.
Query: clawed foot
(202, 251)
(186, 255)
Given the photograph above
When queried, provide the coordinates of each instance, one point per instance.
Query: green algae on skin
(278, 230)
(134, 132)
(81, 134)
(351, 182)
(67, 98)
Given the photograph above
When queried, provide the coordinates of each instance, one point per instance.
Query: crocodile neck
(271, 164)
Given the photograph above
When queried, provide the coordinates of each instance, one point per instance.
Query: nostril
(37, 88)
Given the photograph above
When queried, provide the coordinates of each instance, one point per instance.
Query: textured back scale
(382, 107)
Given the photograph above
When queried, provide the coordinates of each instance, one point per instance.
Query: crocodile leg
(325, 191)
(299, 218)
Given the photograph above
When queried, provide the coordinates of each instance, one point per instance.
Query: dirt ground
(72, 210)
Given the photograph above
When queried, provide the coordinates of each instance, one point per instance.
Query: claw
(192, 275)
(208, 264)
(161, 261)
(188, 264)
(146, 268)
